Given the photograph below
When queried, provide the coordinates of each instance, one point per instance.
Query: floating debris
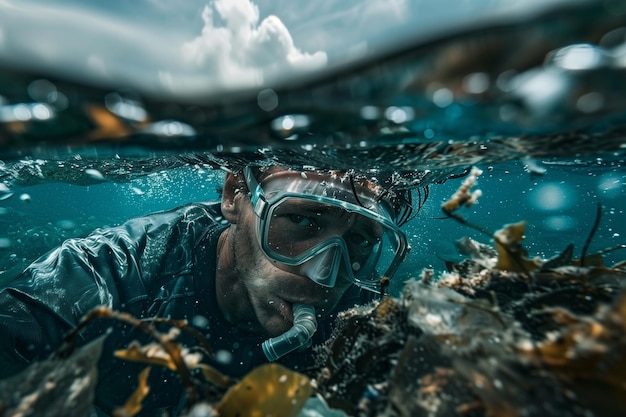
(55, 387)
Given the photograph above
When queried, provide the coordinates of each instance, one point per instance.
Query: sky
(211, 46)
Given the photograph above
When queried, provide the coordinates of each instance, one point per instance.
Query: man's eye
(362, 241)
(302, 221)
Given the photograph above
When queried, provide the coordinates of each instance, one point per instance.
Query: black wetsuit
(160, 265)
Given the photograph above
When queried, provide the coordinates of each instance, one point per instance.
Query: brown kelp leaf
(590, 357)
(270, 389)
(512, 256)
(133, 404)
(155, 354)
(214, 376)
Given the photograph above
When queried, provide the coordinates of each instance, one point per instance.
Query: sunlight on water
(553, 197)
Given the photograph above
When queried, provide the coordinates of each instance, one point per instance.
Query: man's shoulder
(197, 215)
(209, 209)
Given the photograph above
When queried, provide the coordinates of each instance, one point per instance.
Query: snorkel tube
(304, 325)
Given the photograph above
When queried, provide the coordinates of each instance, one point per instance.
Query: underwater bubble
(137, 191)
(552, 197)
(5, 243)
(25, 198)
(267, 99)
(578, 57)
(94, 173)
(533, 167)
(559, 223)
(223, 357)
(66, 224)
(610, 185)
(590, 102)
(200, 321)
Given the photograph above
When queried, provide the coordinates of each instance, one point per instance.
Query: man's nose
(324, 267)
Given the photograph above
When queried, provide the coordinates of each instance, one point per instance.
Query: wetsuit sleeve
(48, 299)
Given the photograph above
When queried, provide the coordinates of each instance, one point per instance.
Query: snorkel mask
(332, 232)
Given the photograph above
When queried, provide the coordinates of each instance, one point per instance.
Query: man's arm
(48, 299)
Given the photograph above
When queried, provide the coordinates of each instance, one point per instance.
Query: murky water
(538, 103)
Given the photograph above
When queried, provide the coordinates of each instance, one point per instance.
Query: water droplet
(200, 321)
(443, 97)
(41, 111)
(476, 83)
(370, 113)
(95, 174)
(22, 112)
(125, 107)
(285, 124)
(578, 57)
(170, 128)
(66, 224)
(267, 99)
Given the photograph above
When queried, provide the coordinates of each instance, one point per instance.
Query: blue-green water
(559, 206)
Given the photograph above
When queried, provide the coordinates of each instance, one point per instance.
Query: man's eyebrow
(317, 207)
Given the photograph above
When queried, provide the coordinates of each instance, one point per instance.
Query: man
(283, 246)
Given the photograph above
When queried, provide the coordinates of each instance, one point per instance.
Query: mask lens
(297, 229)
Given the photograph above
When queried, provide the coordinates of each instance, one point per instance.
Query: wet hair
(390, 190)
(401, 199)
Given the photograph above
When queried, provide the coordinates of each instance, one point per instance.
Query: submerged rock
(494, 344)
(54, 387)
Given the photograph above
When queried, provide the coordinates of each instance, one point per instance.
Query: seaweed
(498, 334)
(269, 388)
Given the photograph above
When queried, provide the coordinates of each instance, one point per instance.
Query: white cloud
(239, 51)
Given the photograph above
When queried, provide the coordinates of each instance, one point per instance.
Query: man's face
(266, 288)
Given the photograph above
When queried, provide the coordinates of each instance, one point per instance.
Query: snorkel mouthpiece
(304, 326)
